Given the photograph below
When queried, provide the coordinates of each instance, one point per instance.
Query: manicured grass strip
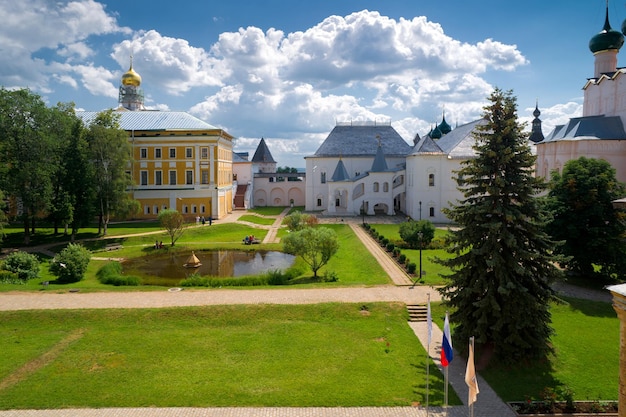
(266, 221)
(262, 355)
(267, 211)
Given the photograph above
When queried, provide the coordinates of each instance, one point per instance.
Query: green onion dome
(607, 39)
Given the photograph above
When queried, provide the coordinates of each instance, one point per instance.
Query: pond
(167, 269)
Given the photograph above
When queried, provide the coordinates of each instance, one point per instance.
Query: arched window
(431, 180)
(385, 187)
(431, 211)
(375, 187)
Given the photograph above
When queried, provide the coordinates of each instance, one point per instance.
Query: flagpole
(471, 403)
(445, 390)
(428, 325)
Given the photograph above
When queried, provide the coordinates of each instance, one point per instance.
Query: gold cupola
(130, 77)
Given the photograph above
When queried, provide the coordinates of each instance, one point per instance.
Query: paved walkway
(488, 404)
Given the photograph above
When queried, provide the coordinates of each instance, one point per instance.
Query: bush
(277, 277)
(411, 267)
(25, 265)
(71, 263)
(390, 247)
(330, 277)
(396, 252)
(402, 258)
(8, 277)
(111, 274)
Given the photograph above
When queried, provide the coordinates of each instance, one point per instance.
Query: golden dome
(130, 77)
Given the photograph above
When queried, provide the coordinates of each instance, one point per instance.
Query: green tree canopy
(583, 216)
(315, 245)
(110, 152)
(173, 222)
(29, 134)
(71, 263)
(410, 233)
(503, 264)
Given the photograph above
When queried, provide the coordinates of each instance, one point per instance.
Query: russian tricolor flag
(446, 345)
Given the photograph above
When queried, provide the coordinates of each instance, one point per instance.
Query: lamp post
(420, 210)
(420, 235)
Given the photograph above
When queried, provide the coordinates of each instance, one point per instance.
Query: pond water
(168, 269)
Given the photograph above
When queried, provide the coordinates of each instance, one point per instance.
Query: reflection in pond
(168, 268)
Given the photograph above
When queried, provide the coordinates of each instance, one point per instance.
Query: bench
(114, 246)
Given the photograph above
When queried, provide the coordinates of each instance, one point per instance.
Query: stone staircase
(239, 196)
(417, 312)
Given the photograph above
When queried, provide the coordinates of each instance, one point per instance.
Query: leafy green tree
(504, 263)
(298, 220)
(24, 264)
(580, 200)
(410, 233)
(315, 245)
(71, 263)
(173, 222)
(27, 153)
(110, 153)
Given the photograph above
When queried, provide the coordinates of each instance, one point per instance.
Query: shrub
(277, 277)
(396, 252)
(390, 247)
(24, 264)
(8, 277)
(330, 277)
(71, 263)
(111, 274)
(401, 258)
(411, 267)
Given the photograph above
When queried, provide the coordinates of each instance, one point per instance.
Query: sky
(289, 71)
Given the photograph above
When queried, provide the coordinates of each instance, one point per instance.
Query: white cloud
(37, 35)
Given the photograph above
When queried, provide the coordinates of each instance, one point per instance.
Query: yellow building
(179, 161)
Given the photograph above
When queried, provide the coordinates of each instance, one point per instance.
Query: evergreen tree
(500, 281)
(580, 200)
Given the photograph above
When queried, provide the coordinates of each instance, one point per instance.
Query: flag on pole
(429, 323)
(470, 375)
(446, 345)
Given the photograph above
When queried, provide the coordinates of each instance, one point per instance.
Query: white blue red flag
(446, 345)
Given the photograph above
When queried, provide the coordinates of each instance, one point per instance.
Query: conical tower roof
(380, 164)
(341, 173)
(262, 153)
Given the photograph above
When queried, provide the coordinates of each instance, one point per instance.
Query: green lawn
(252, 218)
(261, 355)
(586, 343)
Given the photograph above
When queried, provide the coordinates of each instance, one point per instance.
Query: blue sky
(288, 71)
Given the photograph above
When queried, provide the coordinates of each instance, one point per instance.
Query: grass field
(310, 355)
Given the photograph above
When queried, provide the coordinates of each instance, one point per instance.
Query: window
(337, 202)
(157, 153)
(143, 153)
(156, 209)
(431, 211)
(188, 152)
(188, 177)
(385, 186)
(375, 187)
(172, 152)
(144, 178)
(319, 202)
(431, 180)
(158, 177)
(194, 209)
(202, 208)
(185, 209)
(204, 153)
(146, 209)
(323, 179)
(205, 176)
(172, 177)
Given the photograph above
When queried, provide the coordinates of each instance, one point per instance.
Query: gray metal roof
(351, 141)
(341, 173)
(263, 154)
(152, 120)
(588, 128)
(379, 164)
(459, 143)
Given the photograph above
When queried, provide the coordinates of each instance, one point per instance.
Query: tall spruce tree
(503, 264)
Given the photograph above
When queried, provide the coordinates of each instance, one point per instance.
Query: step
(417, 312)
